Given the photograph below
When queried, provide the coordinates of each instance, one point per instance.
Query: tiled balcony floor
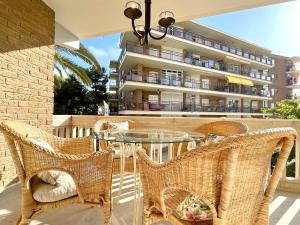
(284, 210)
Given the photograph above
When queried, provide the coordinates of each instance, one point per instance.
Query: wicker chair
(223, 128)
(91, 172)
(98, 127)
(231, 176)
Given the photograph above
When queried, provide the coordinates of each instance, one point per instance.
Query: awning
(247, 82)
(236, 80)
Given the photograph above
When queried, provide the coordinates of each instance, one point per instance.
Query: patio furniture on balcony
(230, 177)
(108, 124)
(223, 128)
(87, 175)
(132, 140)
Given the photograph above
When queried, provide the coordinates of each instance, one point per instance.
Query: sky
(276, 27)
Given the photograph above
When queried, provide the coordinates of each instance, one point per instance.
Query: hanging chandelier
(133, 12)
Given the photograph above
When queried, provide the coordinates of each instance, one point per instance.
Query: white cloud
(114, 52)
(98, 52)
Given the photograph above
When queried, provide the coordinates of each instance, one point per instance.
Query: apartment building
(278, 88)
(113, 87)
(195, 70)
(293, 75)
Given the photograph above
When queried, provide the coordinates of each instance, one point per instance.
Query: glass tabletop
(141, 136)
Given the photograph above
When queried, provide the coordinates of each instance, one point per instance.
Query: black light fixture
(133, 12)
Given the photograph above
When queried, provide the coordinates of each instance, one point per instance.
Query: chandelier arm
(158, 38)
(134, 30)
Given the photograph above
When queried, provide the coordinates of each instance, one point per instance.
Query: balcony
(199, 39)
(167, 80)
(209, 65)
(284, 209)
(175, 106)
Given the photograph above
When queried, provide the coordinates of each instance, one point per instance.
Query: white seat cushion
(44, 192)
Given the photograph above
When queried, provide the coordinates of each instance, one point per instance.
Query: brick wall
(26, 69)
(279, 82)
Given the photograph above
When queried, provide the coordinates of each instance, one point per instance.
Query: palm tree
(64, 63)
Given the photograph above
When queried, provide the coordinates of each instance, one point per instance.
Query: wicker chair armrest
(75, 145)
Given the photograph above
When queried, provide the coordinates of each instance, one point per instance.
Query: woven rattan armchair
(98, 127)
(91, 172)
(231, 176)
(223, 128)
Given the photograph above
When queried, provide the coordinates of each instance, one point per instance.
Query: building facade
(113, 87)
(293, 75)
(194, 70)
(278, 88)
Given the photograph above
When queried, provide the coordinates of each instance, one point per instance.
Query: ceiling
(92, 18)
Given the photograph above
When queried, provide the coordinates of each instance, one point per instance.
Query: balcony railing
(175, 106)
(180, 57)
(168, 80)
(180, 33)
(291, 81)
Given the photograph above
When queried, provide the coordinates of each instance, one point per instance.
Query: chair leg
(22, 221)
(107, 213)
(145, 219)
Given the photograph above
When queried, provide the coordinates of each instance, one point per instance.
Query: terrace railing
(186, 58)
(78, 126)
(175, 106)
(174, 81)
(199, 39)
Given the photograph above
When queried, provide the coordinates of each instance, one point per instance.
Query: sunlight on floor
(276, 203)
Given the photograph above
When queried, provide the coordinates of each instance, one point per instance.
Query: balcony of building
(193, 84)
(184, 38)
(160, 102)
(283, 210)
(155, 57)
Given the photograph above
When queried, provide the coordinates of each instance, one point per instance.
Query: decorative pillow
(43, 192)
(50, 176)
(213, 138)
(193, 209)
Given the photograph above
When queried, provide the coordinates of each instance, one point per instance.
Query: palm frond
(58, 69)
(83, 53)
(75, 69)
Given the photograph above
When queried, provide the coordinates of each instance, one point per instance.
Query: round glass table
(132, 140)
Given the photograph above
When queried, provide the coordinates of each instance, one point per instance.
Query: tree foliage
(285, 109)
(72, 97)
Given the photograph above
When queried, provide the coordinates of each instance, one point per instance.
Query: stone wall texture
(26, 70)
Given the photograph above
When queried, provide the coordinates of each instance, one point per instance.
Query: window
(254, 105)
(153, 98)
(234, 68)
(205, 102)
(152, 77)
(265, 104)
(205, 83)
(171, 77)
(274, 91)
